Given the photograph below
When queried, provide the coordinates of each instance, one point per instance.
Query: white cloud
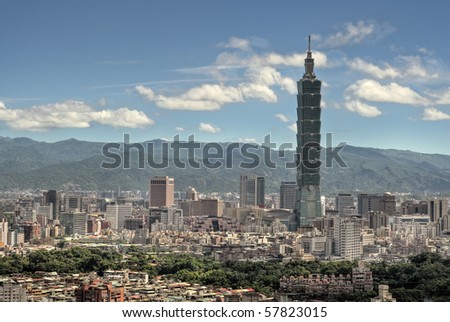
(179, 129)
(226, 60)
(177, 103)
(442, 98)
(354, 33)
(363, 66)
(248, 140)
(287, 60)
(410, 67)
(214, 92)
(294, 60)
(204, 97)
(237, 43)
(207, 127)
(414, 67)
(122, 117)
(372, 90)
(282, 117)
(235, 60)
(293, 127)
(362, 108)
(146, 92)
(210, 97)
(70, 114)
(257, 76)
(367, 90)
(432, 114)
(269, 76)
(259, 91)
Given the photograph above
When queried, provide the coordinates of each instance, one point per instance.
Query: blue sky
(225, 70)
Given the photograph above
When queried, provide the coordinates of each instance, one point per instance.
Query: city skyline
(112, 68)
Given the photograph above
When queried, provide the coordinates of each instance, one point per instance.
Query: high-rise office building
(211, 207)
(376, 203)
(172, 219)
(72, 202)
(53, 197)
(116, 215)
(252, 190)
(412, 207)
(308, 204)
(31, 231)
(378, 220)
(438, 212)
(345, 204)
(166, 219)
(161, 192)
(288, 191)
(260, 191)
(74, 222)
(202, 207)
(80, 223)
(437, 208)
(46, 211)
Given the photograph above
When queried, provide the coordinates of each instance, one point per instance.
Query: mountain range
(72, 164)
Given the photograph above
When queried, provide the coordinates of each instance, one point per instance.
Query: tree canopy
(425, 277)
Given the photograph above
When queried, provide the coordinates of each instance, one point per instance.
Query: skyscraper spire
(309, 43)
(309, 62)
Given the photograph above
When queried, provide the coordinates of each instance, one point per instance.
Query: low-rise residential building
(97, 291)
(323, 286)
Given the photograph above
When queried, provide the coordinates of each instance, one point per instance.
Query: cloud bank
(70, 114)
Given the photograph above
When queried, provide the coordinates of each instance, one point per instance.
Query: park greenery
(425, 277)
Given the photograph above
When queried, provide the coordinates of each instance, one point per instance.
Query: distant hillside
(74, 164)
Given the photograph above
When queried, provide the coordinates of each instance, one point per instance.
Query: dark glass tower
(53, 197)
(308, 144)
(252, 190)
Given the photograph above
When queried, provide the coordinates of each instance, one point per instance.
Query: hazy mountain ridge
(73, 164)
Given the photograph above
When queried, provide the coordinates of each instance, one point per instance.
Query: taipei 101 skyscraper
(307, 205)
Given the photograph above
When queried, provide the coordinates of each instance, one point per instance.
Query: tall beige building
(347, 238)
(3, 232)
(161, 192)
